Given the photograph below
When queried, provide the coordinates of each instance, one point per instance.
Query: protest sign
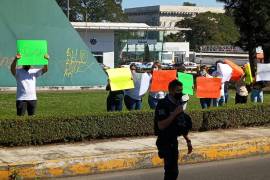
(237, 71)
(208, 87)
(263, 72)
(120, 79)
(225, 70)
(145, 83)
(32, 52)
(161, 80)
(249, 78)
(188, 82)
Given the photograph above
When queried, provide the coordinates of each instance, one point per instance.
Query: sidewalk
(129, 153)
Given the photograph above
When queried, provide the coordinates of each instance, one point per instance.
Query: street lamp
(68, 9)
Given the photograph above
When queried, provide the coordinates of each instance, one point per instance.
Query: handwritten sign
(32, 52)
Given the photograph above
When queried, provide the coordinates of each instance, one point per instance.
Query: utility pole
(68, 9)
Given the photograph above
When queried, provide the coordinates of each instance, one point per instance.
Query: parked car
(190, 65)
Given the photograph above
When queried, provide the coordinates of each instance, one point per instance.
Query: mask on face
(178, 96)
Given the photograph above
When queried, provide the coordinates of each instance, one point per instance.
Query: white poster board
(145, 83)
(225, 70)
(263, 72)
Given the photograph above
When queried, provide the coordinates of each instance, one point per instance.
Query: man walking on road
(171, 122)
(26, 98)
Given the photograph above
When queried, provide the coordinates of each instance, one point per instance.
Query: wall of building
(101, 41)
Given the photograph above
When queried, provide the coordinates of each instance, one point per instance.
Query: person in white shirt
(26, 98)
(132, 98)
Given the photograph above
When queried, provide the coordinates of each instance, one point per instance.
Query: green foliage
(188, 4)
(65, 128)
(253, 19)
(93, 10)
(209, 29)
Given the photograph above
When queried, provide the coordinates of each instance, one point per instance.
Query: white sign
(263, 72)
(225, 70)
(145, 83)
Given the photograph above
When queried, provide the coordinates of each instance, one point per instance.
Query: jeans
(132, 104)
(218, 101)
(226, 96)
(256, 95)
(205, 102)
(114, 104)
(152, 102)
(169, 152)
(29, 105)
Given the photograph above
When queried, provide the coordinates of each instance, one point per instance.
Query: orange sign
(161, 80)
(237, 72)
(208, 87)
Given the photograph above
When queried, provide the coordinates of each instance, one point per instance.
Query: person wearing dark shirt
(114, 99)
(169, 123)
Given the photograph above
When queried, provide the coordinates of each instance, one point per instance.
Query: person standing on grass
(26, 98)
(205, 102)
(114, 99)
(170, 122)
(132, 98)
(257, 92)
(154, 97)
(241, 91)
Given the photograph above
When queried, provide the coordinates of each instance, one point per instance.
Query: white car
(190, 65)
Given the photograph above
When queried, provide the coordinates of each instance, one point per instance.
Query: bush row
(62, 128)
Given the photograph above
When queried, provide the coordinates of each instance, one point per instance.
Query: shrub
(62, 128)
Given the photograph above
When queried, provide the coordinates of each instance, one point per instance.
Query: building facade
(166, 16)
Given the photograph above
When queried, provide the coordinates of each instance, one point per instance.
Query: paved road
(254, 168)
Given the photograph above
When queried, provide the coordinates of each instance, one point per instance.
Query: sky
(140, 3)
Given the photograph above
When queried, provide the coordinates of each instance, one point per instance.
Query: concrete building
(166, 16)
(103, 42)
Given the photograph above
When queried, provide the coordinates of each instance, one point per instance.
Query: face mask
(178, 96)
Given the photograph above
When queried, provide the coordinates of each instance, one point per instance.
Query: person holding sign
(170, 122)
(154, 97)
(205, 102)
(26, 98)
(132, 98)
(241, 91)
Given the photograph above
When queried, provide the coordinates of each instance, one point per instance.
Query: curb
(132, 160)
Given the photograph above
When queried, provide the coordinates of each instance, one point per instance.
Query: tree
(208, 29)
(189, 4)
(93, 10)
(253, 19)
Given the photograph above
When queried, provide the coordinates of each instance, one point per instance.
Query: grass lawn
(81, 102)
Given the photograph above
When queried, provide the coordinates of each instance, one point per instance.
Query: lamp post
(68, 9)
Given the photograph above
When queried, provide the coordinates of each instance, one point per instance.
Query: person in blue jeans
(257, 92)
(132, 98)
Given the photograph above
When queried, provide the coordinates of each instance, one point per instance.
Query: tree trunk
(266, 52)
(252, 60)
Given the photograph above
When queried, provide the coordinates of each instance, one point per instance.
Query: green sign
(32, 52)
(188, 82)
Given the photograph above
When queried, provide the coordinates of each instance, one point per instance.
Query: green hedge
(62, 128)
